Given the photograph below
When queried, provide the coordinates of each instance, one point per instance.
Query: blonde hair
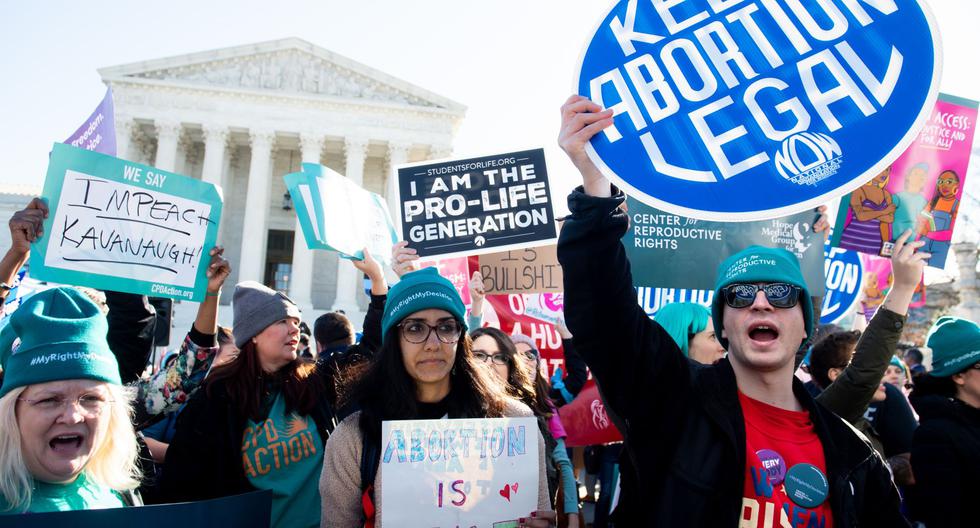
(113, 463)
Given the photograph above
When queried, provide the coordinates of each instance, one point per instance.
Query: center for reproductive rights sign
(749, 110)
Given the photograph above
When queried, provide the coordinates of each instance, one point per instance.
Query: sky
(511, 62)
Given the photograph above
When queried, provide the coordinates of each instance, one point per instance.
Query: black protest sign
(476, 205)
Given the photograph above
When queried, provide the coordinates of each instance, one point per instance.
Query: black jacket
(945, 462)
(683, 427)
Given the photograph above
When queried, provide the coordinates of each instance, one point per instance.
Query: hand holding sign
(27, 226)
(907, 267)
(403, 258)
(581, 119)
(218, 271)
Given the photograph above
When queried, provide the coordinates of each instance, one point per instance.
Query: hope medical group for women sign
(747, 110)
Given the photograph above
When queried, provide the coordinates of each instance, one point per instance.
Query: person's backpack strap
(370, 458)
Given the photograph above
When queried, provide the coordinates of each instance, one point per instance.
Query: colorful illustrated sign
(729, 110)
(920, 191)
(462, 472)
(122, 226)
(338, 215)
(844, 274)
(528, 270)
(877, 281)
(98, 132)
(477, 205)
(670, 251)
(249, 510)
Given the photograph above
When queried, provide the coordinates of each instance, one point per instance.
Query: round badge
(806, 485)
(774, 465)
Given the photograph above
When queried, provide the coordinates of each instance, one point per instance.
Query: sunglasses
(779, 294)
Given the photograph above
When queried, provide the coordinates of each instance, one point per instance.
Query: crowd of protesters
(719, 427)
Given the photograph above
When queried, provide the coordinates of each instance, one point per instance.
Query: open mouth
(764, 333)
(66, 444)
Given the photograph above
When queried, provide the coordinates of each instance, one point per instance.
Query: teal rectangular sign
(122, 226)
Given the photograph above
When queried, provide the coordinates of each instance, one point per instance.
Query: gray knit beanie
(521, 338)
(256, 307)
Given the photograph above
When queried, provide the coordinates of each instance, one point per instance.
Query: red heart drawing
(514, 487)
(505, 493)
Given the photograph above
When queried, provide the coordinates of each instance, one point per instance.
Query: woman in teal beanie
(946, 446)
(66, 438)
(424, 370)
(688, 324)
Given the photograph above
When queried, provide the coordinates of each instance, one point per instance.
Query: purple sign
(98, 133)
(774, 465)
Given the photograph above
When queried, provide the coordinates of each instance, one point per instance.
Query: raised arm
(622, 346)
(26, 226)
(371, 335)
(850, 394)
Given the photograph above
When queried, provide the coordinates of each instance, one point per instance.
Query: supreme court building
(242, 117)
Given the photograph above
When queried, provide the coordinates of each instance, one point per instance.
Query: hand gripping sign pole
(728, 110)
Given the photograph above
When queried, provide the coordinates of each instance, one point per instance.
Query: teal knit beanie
(759, 264)
(683, 320)
(421, 290)
(62, 337)
(955, 345)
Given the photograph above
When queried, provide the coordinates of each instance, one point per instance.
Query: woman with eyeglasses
(424, 370)
(66, 438)
(946, 446)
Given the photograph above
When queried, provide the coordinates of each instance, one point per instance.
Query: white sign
(473, 473)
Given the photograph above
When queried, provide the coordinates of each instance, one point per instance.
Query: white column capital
(215, 134)
(355, 147)
(311, 147)
(261, 138)
(167, 129)
(398, 152)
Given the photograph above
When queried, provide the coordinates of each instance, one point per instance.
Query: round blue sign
(844, 274)
(733, 110)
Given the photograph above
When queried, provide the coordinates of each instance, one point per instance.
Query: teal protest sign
(249, 510)
(338, 215)
(671, 251)
(122, 226)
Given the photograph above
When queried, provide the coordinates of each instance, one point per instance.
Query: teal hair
(682, 321)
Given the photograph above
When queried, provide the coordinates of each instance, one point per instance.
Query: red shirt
(776, 440)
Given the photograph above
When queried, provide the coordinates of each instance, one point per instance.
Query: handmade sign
(528, 270)
(477, 205)
(98, 132)
(844, 274)
(463, 472)
(586, 421)
(670, 251)
(920, 191)
(122, 226)
(338, 215)
(728, 110)
(249, 510)
(512, 314)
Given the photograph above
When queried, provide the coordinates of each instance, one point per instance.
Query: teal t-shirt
(284, 454)
(908, 206)
(79, 495)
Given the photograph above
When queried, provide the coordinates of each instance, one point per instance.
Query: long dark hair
(926, 385)
(245, 383)
(530, 392)
(387, 392)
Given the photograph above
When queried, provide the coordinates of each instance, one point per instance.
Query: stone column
(968, 284)
(301, 278)
(255, 227)
(167, 135)
(397, 155)
(348, 278)
(215, 139)
(124, 135)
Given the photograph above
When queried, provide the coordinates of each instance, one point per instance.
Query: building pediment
(290, 66)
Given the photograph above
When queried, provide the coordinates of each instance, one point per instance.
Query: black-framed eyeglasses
(497, 359)
(779, 294)
(529, 355)
(418, 332)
